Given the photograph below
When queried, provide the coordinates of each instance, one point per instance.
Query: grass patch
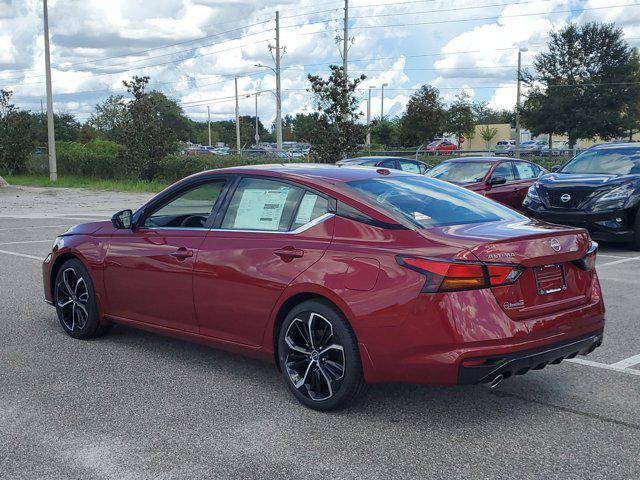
(83, 182)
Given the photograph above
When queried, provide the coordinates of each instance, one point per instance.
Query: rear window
(460, 172)
(426, 202)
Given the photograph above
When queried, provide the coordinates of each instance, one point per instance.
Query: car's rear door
(268, 233)
(526, 173)
(148, 269)
(505, 193)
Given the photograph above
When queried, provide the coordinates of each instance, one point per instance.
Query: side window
(409, 166)
(388, 164)
(262, 205)
(311, 207)
(504, 170)
(525, 171)
(191, 209)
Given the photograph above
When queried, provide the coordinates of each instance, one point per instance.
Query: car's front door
(149, 268)
(270, 232)
(506, 192)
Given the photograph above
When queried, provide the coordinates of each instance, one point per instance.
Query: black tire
(635, 243)
(322, 383)
(75, 302)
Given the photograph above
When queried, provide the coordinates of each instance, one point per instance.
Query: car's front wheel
(318, 355)
(75, 301)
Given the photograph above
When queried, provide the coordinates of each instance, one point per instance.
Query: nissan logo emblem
(565, 198)
(555, 244)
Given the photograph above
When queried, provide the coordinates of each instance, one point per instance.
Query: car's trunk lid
(550, 281)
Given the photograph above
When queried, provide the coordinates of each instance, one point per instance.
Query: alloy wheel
(72, 298)
(315, 361)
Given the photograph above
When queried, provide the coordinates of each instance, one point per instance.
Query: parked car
(506, 181)
(598, 189)
(440, 147)
(339, 275)
(506, 147)
(397, 163)
(534, 148)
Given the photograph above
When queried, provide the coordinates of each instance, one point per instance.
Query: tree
(488, 133)
(144, 135)
(384, 132)
(336, 132)
(109, 118)
(460, 117)
(424, 118)
(303, 125)
(584, 85)
(484, 114)
(15, 126)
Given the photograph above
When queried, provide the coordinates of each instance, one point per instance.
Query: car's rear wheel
(635, 243)
(75, 301)
(318, 355)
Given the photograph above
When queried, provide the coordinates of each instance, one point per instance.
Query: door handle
(288, 253)
(182, 253)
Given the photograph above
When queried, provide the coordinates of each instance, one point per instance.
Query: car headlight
(532, 195)
(615, 198)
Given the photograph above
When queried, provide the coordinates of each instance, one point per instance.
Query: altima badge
(555, 244)
(565, 198)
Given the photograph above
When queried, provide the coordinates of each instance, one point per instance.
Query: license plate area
(550, 279)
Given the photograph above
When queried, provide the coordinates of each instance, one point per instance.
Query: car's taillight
(588, 262)
(451, 275)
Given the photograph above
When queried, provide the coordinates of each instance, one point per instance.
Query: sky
(193, 49)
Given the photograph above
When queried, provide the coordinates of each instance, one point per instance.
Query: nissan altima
(341, 276)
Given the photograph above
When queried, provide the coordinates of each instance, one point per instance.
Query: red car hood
(87, 228)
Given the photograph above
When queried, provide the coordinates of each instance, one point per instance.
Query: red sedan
(440, 146)
(339, 275)
(504, 180)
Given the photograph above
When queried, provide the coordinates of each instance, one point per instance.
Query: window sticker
(305, 211)
(261, 209)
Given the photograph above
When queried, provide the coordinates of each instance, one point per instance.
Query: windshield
(460, 172)
(612, 161)
(427, 202)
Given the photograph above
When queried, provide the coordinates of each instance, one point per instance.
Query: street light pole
(237, 120)
(382, 101)
(209, 123)
(369, 117)
(518, 101)
(51, 137)
(278, 90)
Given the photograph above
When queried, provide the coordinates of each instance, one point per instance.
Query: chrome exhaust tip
(496, 381)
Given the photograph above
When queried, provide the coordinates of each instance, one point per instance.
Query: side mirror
(555, 168)
(122, 219)
(497, 180)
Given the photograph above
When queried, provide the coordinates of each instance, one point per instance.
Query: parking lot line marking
(26, 241)
(618, 262)
(627, 362)
(606, 255)
(603, 366)
(34, 226)
(16, 254)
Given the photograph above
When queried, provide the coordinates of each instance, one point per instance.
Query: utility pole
(278, 90)
(237, 120)
(369, 117)
(518, 101)
(345, 38)
(257, 137)
(53, 170)
(382, 101)
(209, 123)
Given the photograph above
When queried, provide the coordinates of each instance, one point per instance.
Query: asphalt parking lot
(137, 405)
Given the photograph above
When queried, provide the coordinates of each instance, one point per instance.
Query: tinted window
(189, 209)
(460, 172)
(525, 171)
(614, 161)
(504, 170)
(311, 207)
(408, 166)
(426, 202)
(387, 164)
(259, 204)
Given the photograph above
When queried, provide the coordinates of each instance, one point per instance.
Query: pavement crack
(593, 416)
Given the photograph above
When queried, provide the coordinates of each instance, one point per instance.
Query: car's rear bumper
(602, 226)
(474, 370)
